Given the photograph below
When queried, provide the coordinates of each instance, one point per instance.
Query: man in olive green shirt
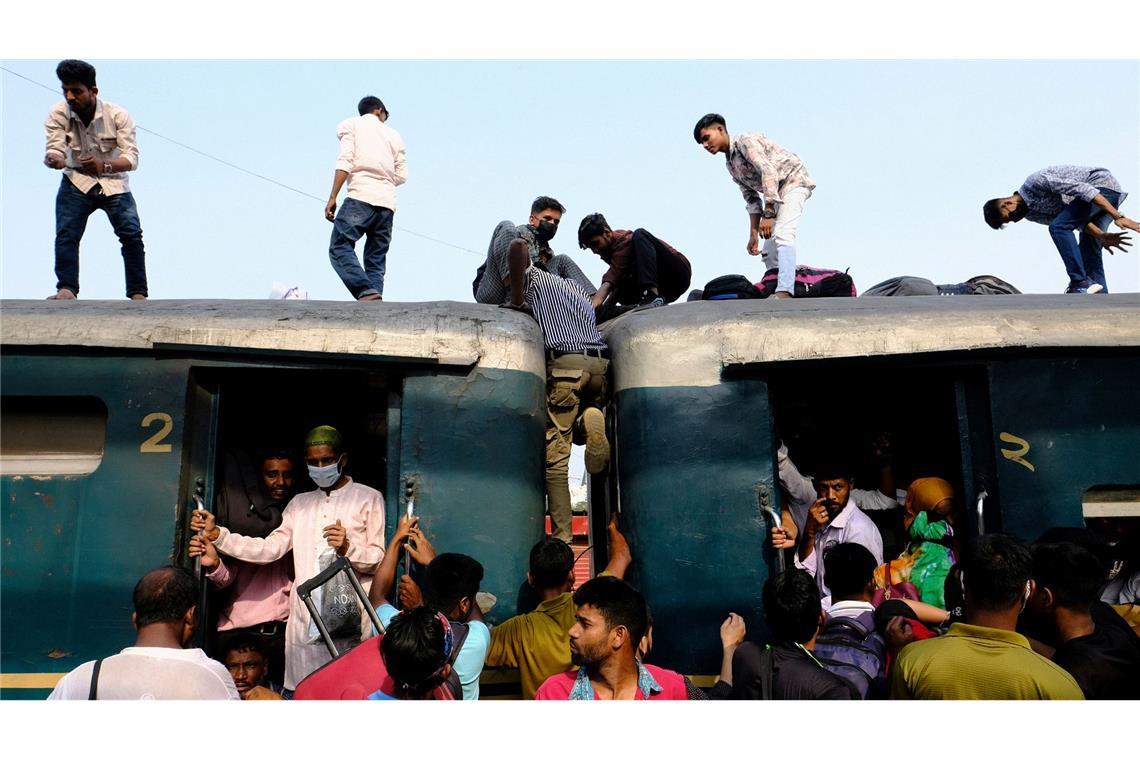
(983, 658)
(538, 643)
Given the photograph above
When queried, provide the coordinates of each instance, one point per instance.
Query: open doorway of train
(261, 412)
(892, 423)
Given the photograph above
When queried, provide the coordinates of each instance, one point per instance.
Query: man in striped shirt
(577, 361)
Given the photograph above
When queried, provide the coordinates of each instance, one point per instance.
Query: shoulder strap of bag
(94, 691)
(766, 671)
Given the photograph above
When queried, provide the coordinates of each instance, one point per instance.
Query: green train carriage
(1029, 405)
(114, 412)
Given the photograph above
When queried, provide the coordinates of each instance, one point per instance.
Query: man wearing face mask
(340, 516)
(545, 215)
(985, 657)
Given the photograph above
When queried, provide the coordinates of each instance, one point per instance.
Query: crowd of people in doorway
(945, 618)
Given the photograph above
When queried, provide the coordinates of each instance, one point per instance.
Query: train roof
(438, 332)
(713, 335)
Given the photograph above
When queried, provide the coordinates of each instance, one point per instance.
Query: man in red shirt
(644, 270)
(610, 622)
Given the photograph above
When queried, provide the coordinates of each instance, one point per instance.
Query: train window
(1112, 501)
(51, 435)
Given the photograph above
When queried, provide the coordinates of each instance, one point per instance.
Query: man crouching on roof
(536, 234)
(338, 517)
(577, 360)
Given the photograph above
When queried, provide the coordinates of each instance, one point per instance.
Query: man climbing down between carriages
(577, 360)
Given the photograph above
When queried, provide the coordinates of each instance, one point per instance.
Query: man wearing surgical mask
(545, 215)
(340, 516)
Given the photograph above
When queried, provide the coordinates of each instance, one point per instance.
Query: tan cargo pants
(574, 383)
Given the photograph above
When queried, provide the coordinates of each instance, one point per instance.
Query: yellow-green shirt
(976, 662)
(536, 643)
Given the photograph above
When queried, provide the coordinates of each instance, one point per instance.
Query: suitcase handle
(306, 589)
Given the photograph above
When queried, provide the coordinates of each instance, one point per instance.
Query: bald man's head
(164, 595)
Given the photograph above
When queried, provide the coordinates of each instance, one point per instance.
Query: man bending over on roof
(762, 168)
(1070, 199)
(644, 270)
(610, 622)
(536, 234)
(452, 583)
(338, 518)
(538, 643)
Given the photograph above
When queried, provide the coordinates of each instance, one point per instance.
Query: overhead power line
(250, 172)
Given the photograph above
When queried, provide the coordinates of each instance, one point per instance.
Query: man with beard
(611, 620)
(834, 519)
(545, 214)
(256, 602)
(1068, 199)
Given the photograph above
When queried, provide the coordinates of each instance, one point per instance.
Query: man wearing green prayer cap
(339, 517)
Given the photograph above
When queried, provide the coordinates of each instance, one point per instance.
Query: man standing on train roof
(1070, 198)
(762, 168)
(93, 142)
(540, 229)
(644, 270)
(577, 361)
(372, 161)
(339, 516)
(158, 666)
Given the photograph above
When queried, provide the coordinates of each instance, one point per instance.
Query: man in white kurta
(345, 514)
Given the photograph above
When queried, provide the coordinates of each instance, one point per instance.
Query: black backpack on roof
(730, 287)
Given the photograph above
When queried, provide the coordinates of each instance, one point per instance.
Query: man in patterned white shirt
(1068, 199)
(93, 142)
(762, 168)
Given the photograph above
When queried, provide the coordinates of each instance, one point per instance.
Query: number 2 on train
(154, 444)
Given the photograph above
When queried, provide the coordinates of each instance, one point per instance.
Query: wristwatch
(768, 214)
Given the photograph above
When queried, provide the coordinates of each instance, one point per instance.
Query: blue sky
(904, 153)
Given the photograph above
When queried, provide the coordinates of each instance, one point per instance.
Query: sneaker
(597, 446)
(1085, 287)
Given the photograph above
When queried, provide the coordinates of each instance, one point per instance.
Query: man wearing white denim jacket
(762, 168)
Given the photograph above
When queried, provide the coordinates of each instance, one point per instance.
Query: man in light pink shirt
(339, 516)
(372, 161)
(256, 597)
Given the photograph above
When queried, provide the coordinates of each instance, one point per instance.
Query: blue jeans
(355, 220)
(72, 208)
(1084, 261)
